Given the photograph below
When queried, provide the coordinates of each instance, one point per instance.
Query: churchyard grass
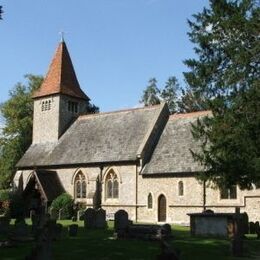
(100, 244)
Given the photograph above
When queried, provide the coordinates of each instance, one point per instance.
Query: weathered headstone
(252, 229)
(237, 241)
(166, 230)
(121, 222)
(257, 229)
(80, 214)
(54, 213)
(90, 218)
(167, 253)
(101, 219)
(21, 229)
(61, 214)
(245, 223)
(4, 224)
(73, 230)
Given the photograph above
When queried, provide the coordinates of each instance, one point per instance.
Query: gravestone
(257, 229)
(21, 229)
(90, 218)
(73, 230)
(237, 241)
(61, 214)
(100, 219)
(167, 252)
(252, 228)
(245, 223)
(54, 213)
(80, 214)
(166, 230)
(4, 224)
(121, 222)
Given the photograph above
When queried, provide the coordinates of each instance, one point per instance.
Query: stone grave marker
(61, 214)
(54, 213)
(90, 218)
(252, 228)
(73, 230)
(101, 218)
(4, 224)
(80, 214)
(21, 229)
(121, 222)
(257, 229)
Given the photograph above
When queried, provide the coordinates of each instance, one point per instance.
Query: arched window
(180, 188)
(150, 201)
(112, 186)
(80, 186)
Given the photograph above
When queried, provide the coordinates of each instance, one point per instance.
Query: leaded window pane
(78, 189)
(233, 192)
(115, 189)
(180, 188)
(84, 189)
(150, 201)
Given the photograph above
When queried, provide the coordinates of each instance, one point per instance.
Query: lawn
(100, 244)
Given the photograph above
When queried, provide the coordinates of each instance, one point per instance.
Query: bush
(12, 202)
(64, 202)
(4, 195)
(17, 205)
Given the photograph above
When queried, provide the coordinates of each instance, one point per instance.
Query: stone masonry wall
(177, 206)
(46, 123)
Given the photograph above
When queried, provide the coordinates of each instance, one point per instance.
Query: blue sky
(115, 45)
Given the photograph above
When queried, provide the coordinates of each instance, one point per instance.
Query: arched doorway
(161, 208)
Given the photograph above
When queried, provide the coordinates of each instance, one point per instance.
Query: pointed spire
(61, 77)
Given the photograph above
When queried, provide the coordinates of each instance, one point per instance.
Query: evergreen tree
(191, 101)
(170, 94)
(1, 12)
(151, 93)
(226, 75)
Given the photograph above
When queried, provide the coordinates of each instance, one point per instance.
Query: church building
(137, 159)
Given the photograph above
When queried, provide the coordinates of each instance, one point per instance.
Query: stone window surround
(180, 188)
(112, 178)
(46, 105)
(150, 204)
(228, 198)
(80, 192)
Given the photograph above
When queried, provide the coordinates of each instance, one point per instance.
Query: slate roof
(96, 138)
(61, 77)
(172, 153)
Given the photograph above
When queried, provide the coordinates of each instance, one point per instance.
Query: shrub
(64, 202)
(17, 205)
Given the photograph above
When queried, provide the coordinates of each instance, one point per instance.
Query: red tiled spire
(61, 77)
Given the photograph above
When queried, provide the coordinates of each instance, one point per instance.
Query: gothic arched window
(80, 185)
(112, 186)
(180, 188)
(150, 201)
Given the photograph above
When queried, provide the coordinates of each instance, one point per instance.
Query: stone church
(138, 159)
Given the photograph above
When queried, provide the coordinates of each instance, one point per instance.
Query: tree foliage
(226, 76)
(1, 12)
(16, 134)
(152, 95)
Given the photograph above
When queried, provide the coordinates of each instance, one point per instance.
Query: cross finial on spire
(62, 36)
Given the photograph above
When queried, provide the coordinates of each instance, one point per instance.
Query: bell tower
(59, 100)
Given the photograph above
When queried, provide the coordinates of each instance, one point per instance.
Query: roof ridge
(189, 115)
(83, 116)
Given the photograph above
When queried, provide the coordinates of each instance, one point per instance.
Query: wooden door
(161, 208)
